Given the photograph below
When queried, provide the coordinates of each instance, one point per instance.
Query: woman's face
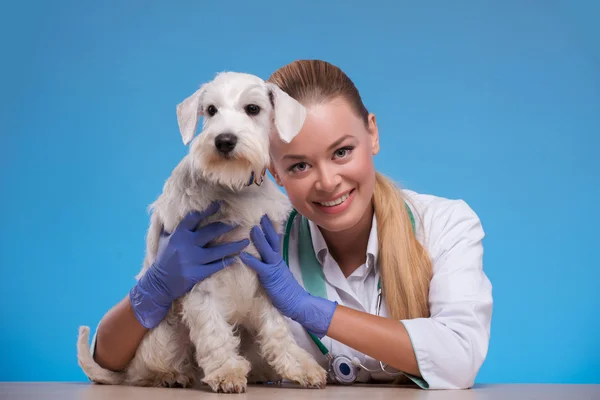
(328, 170)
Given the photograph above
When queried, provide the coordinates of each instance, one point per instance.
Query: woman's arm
(381, 338)
(448, 348)
(118, 336)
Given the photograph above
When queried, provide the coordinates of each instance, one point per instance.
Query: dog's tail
(86, 361)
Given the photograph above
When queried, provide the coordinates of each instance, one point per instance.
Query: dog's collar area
(257, 180)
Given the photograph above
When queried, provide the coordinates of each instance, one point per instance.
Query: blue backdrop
(497, 103)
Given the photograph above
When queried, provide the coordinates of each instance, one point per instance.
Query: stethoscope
(342, 368)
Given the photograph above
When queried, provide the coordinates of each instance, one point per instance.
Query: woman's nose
(328, 180)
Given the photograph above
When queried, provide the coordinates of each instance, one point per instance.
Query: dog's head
(240, 111)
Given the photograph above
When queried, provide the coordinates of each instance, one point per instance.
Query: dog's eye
(211, 110)
(252, 109)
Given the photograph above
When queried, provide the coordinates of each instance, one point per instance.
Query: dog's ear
(289, 113)
(188, 113)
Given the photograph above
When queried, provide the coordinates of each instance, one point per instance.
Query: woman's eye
(298, 167)
(343, 151)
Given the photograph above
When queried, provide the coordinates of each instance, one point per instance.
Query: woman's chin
(336, 222)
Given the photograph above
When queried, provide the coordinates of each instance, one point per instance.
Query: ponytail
(404, 264)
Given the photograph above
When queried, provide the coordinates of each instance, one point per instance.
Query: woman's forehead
(325, 124)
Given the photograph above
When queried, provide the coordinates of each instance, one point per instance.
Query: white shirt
(451, 344)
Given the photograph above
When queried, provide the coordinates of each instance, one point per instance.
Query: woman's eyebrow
(331, 147)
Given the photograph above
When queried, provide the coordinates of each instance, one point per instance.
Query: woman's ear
(274, 173)
(373, 133)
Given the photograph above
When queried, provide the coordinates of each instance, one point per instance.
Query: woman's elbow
(459, 368)
(463, 373)
(459, 373)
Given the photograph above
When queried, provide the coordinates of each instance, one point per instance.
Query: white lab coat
(452, 344)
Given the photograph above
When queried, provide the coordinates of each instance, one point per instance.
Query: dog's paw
(307, 373)
(230, 378)
(178, 381)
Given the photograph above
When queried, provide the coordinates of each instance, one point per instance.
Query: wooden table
(88, 391)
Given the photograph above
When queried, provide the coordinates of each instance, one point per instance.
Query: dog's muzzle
(225, 143)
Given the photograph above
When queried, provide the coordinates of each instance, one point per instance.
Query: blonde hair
(404, 264)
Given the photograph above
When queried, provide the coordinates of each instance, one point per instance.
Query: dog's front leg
(217, 347)
(279, 348)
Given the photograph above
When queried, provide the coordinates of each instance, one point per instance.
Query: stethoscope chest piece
(342, 370)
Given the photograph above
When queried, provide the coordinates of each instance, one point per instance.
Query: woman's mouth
(336, 205)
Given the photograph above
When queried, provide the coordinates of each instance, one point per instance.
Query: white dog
(200, 329)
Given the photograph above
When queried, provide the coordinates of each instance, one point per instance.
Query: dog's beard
(234, 170)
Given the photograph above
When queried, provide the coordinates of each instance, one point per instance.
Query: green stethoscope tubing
(312, 274)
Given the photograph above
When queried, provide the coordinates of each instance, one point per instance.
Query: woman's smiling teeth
(335, 202)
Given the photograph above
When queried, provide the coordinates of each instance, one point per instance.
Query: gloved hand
(182, 261)
(288, 296)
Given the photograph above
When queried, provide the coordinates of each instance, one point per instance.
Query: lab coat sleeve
(451, 345)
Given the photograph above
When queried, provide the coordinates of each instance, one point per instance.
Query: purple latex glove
(288, 296)
(182, 261)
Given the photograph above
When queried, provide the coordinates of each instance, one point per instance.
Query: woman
(433, 323)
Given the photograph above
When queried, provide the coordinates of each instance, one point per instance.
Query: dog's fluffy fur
(199, 338)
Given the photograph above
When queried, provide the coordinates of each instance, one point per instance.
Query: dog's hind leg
(278, 347)
(164, 358)
(216, 345)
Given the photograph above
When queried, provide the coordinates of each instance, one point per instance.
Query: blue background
(497, 103)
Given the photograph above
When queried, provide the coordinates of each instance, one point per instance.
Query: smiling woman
(372, 273)
(329, 174)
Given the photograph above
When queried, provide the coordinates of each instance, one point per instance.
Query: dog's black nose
(225, 142)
